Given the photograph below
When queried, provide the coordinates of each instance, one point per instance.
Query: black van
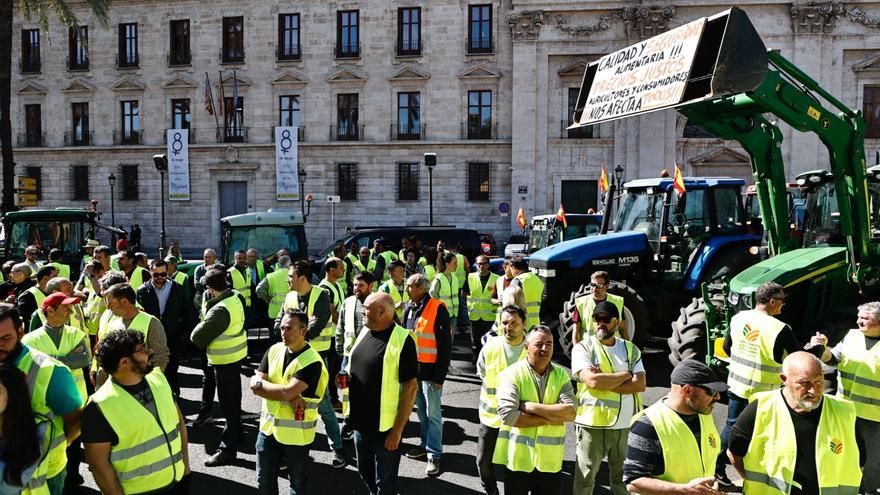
(469, 238)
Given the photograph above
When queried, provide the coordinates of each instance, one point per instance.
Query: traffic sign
(333, 199)
(24, 199)
(26, 183)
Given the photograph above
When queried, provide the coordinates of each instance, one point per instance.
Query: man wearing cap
(121, 247)
(611, 377)
(599, 283)
(798, 440)
(673, 445)
(535, 400)
(165, 300)
(77, 315)
(89, 251)
(70, 346)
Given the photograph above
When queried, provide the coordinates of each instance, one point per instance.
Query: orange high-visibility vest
(426, 343)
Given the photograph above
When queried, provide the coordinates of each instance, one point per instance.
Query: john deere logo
(712, 441)
(751, 334)
(836, 445)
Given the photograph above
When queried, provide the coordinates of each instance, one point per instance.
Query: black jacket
(177, 319)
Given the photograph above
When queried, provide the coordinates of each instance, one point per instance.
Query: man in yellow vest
(334, 270)
(31, 299)
(395, 286)
(673, 445)
(756, 343)
(499, 353)
(798, 440)
(535, 400)
(463, 268)
(291, 380)
(532, 287)
(351, 322)
(428, 320)
(315, 302)
(611, 378)
(30, 257)
(599, 282)
(223, 336)
(383, 370)
(53, 394)
(135, 274)
(77, 316)
(481, 311)
(274, 288)
(240, 280)
(857, 357)
(134, 434)
(383, 258)
(55, 256)
(70, 346)
(256, 273)
(444, 287)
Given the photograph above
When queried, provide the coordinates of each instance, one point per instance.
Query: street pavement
(458, 467)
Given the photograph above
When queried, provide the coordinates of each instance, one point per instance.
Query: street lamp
(303, 198)
(618, 174)
(161, 162)
(112, 181)
(431, 162)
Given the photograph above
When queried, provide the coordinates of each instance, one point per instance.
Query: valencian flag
(560, 216)
(521, 218)
(209, 100)
(678, 180)
(603, 180)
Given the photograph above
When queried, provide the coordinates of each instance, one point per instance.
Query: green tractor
(717, 72)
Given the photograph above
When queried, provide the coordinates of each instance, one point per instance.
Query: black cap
(608, 308)
(694, 372)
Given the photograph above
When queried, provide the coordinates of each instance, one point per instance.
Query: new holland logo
(712, 441)
(836, 445)
(751, 334)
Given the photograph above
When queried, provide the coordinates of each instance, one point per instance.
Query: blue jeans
(377, 465)
(328, 416)
(269, 454)
(735, 406)
(430, 418)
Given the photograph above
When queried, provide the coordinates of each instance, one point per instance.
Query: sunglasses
(160, 275)
(602, 319)
(598, 286)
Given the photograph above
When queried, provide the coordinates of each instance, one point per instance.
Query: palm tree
(29, 9)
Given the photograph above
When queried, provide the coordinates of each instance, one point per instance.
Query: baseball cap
(694, 372)
(57, 298)
(91, 243)
(608, 308)
(121, 244)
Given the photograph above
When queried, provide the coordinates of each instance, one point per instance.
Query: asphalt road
(459, 471)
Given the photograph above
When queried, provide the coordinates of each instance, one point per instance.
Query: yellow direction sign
(24, 199)
(26, 183)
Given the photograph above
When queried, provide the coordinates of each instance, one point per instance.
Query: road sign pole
(332, 222)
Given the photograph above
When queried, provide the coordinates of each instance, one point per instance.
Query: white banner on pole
(286, 164)
(178, 164)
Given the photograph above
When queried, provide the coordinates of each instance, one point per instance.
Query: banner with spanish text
(286, 164)
(178, 164)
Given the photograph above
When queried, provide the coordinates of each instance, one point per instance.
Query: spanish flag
(603, 180)
(560, 216)
(521, 218)
(678, 181)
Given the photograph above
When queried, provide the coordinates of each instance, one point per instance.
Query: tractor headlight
(545, 272)
(733, 299)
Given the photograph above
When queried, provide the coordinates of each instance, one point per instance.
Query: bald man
(381, 399)
(782, 435)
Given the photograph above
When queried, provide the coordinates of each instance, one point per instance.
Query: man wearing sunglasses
(599, 282)
(757, 343)
(611, 376)
(677, 428)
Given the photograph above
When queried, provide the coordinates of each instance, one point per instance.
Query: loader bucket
(707, 58)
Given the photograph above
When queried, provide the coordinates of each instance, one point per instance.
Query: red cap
(57, 298)
(121, 244)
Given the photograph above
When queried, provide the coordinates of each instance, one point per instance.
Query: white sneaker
(433, 467)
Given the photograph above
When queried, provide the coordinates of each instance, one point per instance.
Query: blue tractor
(664, 245)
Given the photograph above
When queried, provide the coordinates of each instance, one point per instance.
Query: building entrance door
(233, 197)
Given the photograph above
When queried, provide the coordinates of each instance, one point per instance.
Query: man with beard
(535, 400)
(136, 275)
(498, 354)
(679, 427)
(134, 434)
(797, 440)
(612, 376)
(53, 394)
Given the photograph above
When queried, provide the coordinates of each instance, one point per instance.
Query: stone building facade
(528, 56)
